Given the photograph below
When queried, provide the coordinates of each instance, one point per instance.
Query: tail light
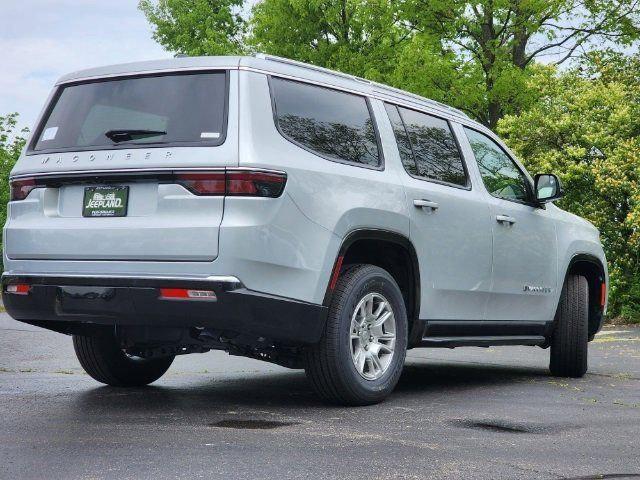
(203, 183)
(255, 184)
(21, 188)
(603, 294)
(246, 183)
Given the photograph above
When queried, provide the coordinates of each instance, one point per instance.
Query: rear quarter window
(333, 124)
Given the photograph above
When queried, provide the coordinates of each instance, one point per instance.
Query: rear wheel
(361, 354)
(104, 360)
(569, 341)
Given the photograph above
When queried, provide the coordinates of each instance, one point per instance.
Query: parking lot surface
(463, 413)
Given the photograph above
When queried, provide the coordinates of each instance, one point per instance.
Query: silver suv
(291, 214)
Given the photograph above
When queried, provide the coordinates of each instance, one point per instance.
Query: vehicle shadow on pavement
(434, 377)
(275, 391)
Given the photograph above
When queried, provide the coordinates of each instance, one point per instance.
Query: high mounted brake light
(21, 188)
(246, 183)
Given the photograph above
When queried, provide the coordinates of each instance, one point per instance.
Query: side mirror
(547, 187)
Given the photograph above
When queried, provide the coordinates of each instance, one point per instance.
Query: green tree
(586, 128)
(500, 39)
(11, 144)
(360, 37)
(197, 27)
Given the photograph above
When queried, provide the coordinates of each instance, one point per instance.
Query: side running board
(480, 341)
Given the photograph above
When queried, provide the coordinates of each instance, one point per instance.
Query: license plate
(105, 201)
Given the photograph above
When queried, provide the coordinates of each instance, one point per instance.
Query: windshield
(167, 109)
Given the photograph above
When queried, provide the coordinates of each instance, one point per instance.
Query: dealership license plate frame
(112, 201)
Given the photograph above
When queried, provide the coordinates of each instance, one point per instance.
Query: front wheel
(361, 354)
(569, 341)
(104, 360)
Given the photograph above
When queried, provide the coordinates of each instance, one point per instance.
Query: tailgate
(163, 222)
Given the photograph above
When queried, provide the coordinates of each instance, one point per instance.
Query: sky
(40, 40)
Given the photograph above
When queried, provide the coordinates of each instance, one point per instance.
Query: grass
(622, 321)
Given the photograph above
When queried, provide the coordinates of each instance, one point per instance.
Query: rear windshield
(186, 109)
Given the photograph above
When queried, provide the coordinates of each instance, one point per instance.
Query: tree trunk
(495, 114)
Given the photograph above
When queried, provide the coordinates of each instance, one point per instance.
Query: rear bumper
(55, 301)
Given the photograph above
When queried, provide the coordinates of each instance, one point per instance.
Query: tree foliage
(197, 27)
(355, 36)
(11, 144)
(586, 128)
(501, 38)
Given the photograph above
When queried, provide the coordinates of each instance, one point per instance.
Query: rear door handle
(426, 204)
(505, 219)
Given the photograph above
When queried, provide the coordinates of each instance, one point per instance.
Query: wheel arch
(592, 268)
(392, 251)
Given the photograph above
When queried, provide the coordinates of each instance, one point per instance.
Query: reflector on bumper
(186, 294)
(18, 289)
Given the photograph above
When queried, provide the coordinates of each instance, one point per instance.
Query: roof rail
(308, 66)
(442, 106)
(380, 86)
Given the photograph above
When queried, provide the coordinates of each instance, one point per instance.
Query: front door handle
(505, 219)
(426, 204)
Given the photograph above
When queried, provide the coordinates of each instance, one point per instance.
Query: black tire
(104, 360)
(329, 365)
(569, 341)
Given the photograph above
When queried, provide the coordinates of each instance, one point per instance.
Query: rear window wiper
(118, 136)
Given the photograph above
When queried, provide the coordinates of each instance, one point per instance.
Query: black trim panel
(471, 328)
(87, 302)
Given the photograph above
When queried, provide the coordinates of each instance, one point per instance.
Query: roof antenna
(180, 55)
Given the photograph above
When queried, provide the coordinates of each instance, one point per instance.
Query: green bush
(11, 144)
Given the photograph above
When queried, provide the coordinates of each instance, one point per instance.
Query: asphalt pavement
(465, 413)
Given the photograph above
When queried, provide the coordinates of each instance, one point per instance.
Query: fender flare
(384, 236)
(585, 257)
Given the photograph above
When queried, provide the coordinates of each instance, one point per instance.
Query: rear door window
(330, 123)
(176, 109)
(435, 150)
(402, 139)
